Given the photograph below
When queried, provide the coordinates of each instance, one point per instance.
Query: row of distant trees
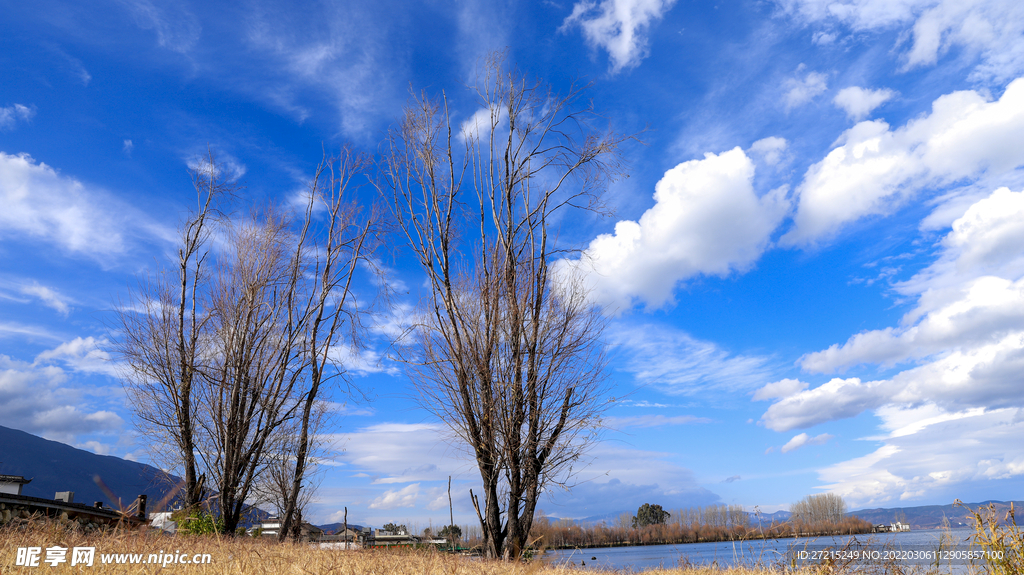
(236, 346)
(823, 514)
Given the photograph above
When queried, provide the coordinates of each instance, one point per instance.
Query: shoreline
(740, 540)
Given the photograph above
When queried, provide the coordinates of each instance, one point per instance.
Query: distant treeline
(691, 525)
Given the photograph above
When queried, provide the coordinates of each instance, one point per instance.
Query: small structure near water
(891, 528)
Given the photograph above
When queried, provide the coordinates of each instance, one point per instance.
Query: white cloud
(803, 439)
(770, 150)
(618, 26)
(837, 399)
(395, 498)
(993, 30)
(780, 389)
(41, 203)
(11, 115)
(676, 363)
(348, 61)
(9, 329)
(127, 148)
(707, 219)
(973, 295)
(35, 398)
(800, 92)
(478, 126)
(953, 417)
(875, 169)
(402, 453)
(229, 166)
(929, 451)
(361, 361)
(858, 102)
(652, 421)
(50, 297)
(84, 355)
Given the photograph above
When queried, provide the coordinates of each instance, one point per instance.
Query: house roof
(14, 479)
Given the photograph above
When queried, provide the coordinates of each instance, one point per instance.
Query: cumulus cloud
(707, 219)
(971, 297)
(11, 115)
(618, 26)
(991, 29)
(83, 355)
(875, 169)
(953, 415)
(803, 439)
(801, 91)
(677, 363)
(395, 498)
(858, 102)
(40, 202)
(929, 451)
(771, 150)
(37, 398)
(782, 388)
(361, 361)
(837, 399)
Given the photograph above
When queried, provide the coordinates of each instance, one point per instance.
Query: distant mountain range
(932, 516)
(53, 466)
(920, 517)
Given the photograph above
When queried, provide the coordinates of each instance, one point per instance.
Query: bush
(200, 523)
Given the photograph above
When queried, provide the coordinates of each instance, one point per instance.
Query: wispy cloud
(618, 26)
(11, 115)
(677, 363)
(799, 91)
(652, 421)
(41, 203)
(803, 439)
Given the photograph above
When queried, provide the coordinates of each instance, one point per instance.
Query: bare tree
(511, 358)
(821, 508)
(267, 317)
(345, 242)
(160, 342)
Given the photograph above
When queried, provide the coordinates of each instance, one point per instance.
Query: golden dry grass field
(150, 551)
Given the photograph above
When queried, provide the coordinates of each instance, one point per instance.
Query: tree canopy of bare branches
(240, 353)
(821, 508)
(510, 355)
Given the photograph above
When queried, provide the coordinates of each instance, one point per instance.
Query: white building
(11, 484)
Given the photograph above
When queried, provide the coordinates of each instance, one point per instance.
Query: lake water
(730, 553)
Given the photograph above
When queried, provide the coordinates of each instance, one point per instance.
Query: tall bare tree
(346, 241)
(273, 305)
(511, 358)
(820, 508)
(161, 341)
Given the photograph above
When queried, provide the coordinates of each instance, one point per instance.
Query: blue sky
(814, 272)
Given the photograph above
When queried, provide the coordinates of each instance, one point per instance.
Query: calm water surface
(730, 553)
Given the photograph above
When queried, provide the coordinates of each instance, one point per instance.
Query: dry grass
(246, 556)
